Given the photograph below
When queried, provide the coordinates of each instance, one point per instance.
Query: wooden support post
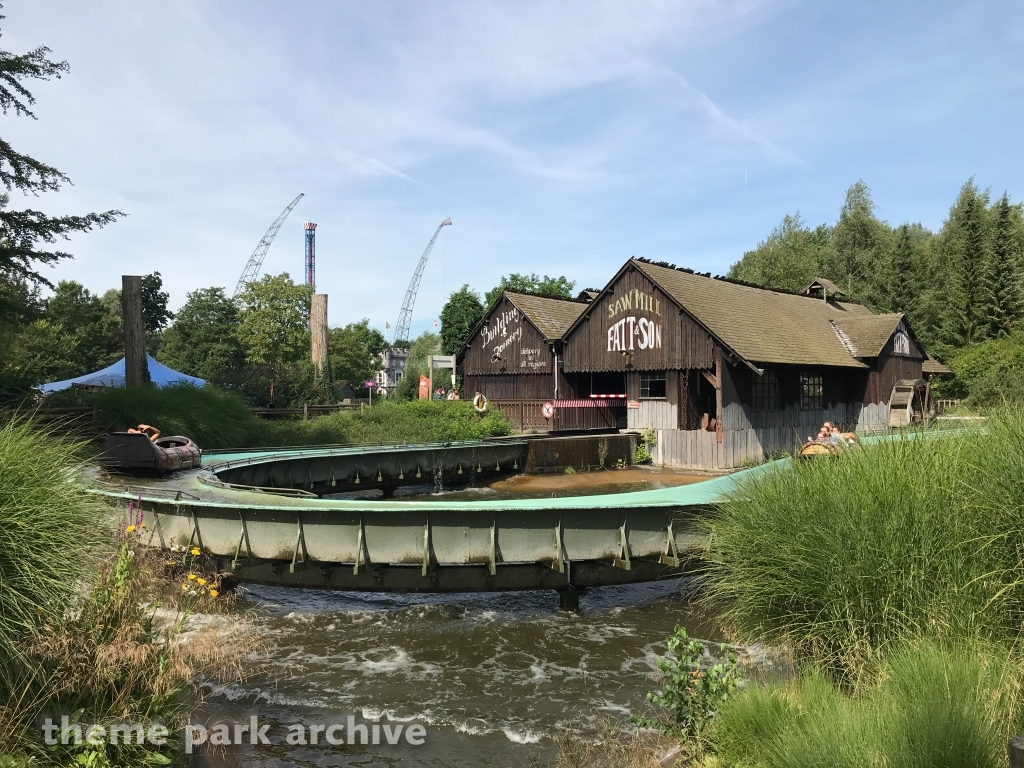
(136, 368)
(1016, 752)
(718, 392)
(318, 335)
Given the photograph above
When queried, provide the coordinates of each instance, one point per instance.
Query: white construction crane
(405, 316)
(252, 268)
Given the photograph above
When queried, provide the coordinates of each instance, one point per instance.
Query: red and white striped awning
(587, 403)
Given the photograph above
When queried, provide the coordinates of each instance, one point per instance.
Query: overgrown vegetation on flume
(892, 576)
(216, 418)
(93, 625)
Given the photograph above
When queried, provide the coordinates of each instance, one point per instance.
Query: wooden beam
(718, 391)
(712, 379)
(136, 368)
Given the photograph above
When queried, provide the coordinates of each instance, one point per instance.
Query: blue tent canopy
(113, 376)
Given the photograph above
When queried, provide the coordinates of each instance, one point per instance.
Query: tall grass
(932, 706)
(843, 558)
(51, 533)
(212, 417)
(216, 418)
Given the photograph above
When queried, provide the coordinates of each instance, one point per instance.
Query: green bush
(216, 418)
(839, 559)
(50, 531)
(212, 417)
(930, 706)
(691, 693)
(415, 421)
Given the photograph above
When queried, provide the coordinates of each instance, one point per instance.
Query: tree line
(958, 287)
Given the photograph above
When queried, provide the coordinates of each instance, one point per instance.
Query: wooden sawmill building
(725, 373)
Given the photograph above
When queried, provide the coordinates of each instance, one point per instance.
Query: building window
(652, 384)
(766, 392)
(811, 392)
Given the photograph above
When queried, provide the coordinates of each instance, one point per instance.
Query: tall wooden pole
(136, 369)
(318, 333)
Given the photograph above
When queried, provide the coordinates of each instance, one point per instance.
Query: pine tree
(1002, 285)
(22, 233)
(965, 245)
(900, 287)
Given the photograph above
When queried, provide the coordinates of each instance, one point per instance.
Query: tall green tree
(555, 287)
(900, 288)
(27, 233)
(859, 245)
(790, 258)
(203, 341)
(965, 245)
(274, 323)
(458, 318)
(355, 352)
(1002, 281)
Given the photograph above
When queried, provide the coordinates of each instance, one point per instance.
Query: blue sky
(561, 137)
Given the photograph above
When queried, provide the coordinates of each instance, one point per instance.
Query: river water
(490, 676)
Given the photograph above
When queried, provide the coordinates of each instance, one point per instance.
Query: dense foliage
(936, 706)
(555, 287)
(841, 560)
(216, 418)
(458, 318)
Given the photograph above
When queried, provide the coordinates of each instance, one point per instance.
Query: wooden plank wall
(506, 343)
(699, 448)
(659, 414)
(684, 344)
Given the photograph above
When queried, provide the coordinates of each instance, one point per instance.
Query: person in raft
(479, 402)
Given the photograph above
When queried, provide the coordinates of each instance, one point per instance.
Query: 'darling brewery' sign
(631, 332)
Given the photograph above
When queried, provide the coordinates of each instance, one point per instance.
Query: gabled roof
(552, 317)
(759, 325)
(931, 366)
(821, 283)
(867, 335)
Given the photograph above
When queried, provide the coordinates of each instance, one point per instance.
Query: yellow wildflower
(191, 577)
(130, 529)
(195, 551)
(213, 593)
(202, 582)
(143, 525)
(184, 587)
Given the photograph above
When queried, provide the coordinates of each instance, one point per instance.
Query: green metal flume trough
(286, 535)
(336, 470)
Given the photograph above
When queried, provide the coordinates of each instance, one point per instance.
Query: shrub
(930, 706)
(212, 417)
(216, 418)
(842, 558)
(691, 693)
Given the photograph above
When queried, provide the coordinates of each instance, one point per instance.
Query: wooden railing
(525, 414)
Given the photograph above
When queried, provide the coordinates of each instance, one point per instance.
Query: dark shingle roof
(551, 316)
(760, 325)
(867, 335)
(931, 366)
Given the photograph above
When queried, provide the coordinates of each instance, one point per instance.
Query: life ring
(547, 410)
(479, 403)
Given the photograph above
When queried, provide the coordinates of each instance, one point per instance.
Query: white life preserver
(480, 403)
(547, 410)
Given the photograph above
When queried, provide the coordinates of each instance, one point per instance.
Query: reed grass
(931, 705)
(216, 418)
(51, 533)
(841, 559)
